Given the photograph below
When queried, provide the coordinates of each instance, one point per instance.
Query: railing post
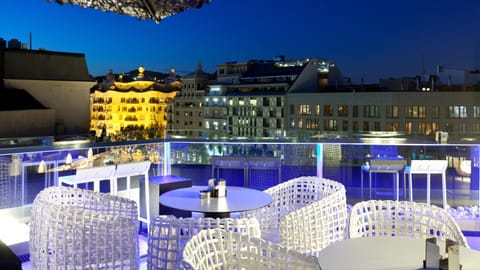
(320, 160)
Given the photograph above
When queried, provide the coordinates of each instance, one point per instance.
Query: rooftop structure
(143, 9)
(54, 95)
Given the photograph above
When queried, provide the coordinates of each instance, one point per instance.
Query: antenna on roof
(30, 40)
(423, 67)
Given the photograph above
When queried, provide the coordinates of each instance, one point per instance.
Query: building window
(312, 124)
(376, 126)
(391, 126)
(292, 109)
(355, 111)
(330, 124)
(366, 126)
(371, 111)
(328, 110)
(342, 110)
(355, 126)
(292, 123)
(415, 111)
(409, 128)
(391, 111)
(476, 128)
(345, 125)
(427, 128)
(300, 123)
(457, 111)
(304, 109)
(266, 102)
(317, 109)
(476, 112)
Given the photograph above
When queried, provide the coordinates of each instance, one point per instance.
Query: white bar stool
(428, 167)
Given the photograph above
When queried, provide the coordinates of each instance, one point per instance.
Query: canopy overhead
(143, 9)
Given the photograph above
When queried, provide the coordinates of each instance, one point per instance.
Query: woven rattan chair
(73, 228)
(313, 227)
(219, 249)
(168, 236)
(403, 219)
(293, 195)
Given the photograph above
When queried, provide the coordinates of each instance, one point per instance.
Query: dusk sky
(369, 39)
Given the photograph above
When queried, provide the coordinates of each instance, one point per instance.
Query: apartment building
(256, 99)
(187, 112)
(416, 114)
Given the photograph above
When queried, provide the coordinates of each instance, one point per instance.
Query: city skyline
(368, 41)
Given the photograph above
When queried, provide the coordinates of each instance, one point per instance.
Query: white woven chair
(218, 249)
(293, 195)
(403, 219)
(168, 236)
(73, 228)
(313, 227)
(287, 196)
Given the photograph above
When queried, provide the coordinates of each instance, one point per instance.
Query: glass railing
(259, 164)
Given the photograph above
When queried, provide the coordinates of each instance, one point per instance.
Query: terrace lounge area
(258, 165)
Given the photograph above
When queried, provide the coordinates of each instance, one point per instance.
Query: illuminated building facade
(411, 113)
(131, 110)
(256, 100)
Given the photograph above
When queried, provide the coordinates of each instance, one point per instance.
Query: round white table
(238, 199)
(386, 253)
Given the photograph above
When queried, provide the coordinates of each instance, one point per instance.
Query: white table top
(238, 199)
(386, 253)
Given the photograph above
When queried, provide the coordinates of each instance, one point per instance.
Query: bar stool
(428, 167)
(393, 166)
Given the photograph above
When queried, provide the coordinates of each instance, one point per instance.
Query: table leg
(370, 182)
(444, 190)
(128, 186)
(361, 183)
(428, 188)
(397, 186)
(147, 199)
(410, 185)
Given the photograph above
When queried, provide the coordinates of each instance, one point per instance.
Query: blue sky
(368, 39)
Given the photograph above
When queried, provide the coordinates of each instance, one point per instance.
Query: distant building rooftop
(43, 65)
(270, 69)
